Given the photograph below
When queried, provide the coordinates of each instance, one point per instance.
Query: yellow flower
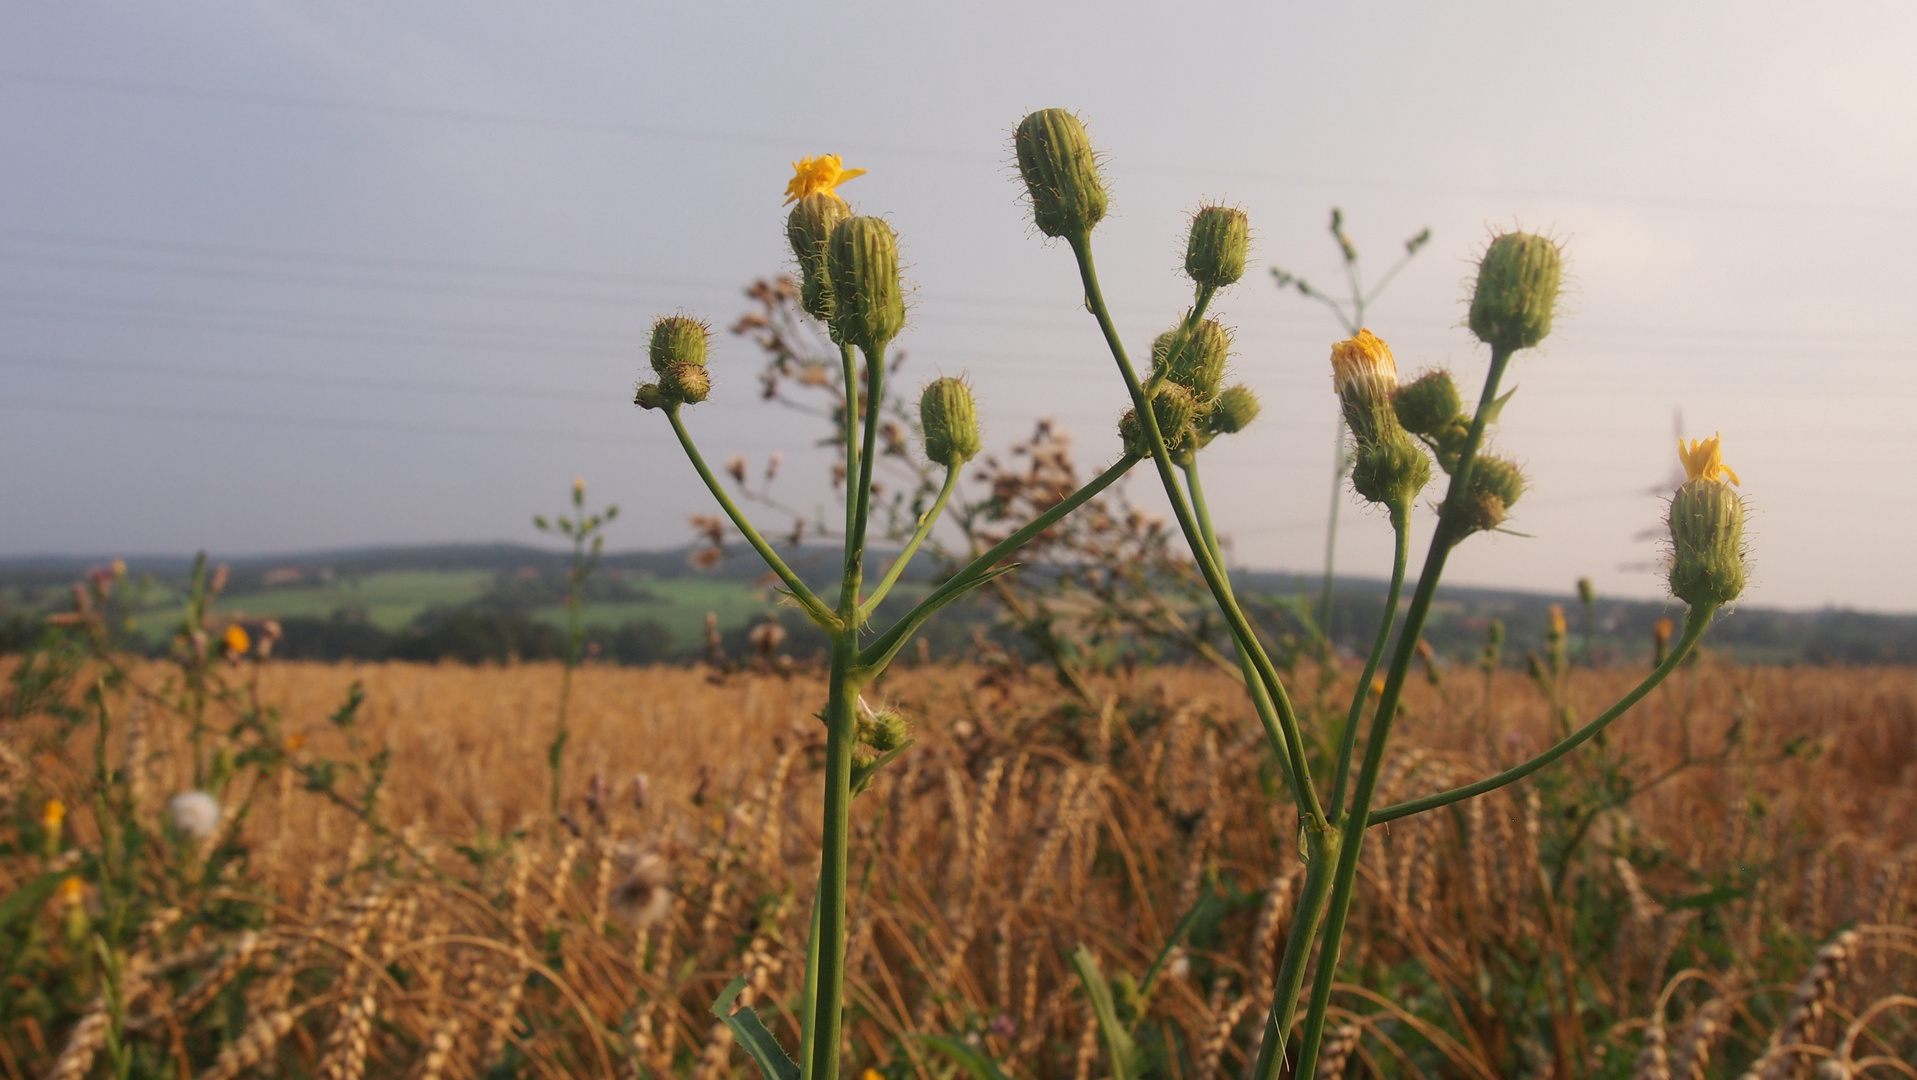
(236, 640)
(53, 815)
(1704, 460)
(294, 742)
(1364, 363)
(1556, 617)
(819, 174)
(72, 889)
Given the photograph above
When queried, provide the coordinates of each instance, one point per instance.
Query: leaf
(752, 1034)
(1118, 1041)
(30, 896)
(1490, 412)
(976, 1065)
(862, 774)
(881, 652)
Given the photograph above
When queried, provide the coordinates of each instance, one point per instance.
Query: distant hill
(406, 590)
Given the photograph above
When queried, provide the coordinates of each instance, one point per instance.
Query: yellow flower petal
(1704, 460)
(236, 640)
(1364, 362)
(813, 175)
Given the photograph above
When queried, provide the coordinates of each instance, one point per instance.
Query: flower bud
(1061, 175)
(949, 421)
(1428, 403)
(1389, 469)
(1517, 291)
(1233, 412)
(1365, 377)
(1707, 529)
(883, 731)
(808, 228)
(649, 396)
(1197, 360)
(678, 339)
(1496, 485)
(686, 383)
(868, 299)
(1173, 408)
(1215, 250)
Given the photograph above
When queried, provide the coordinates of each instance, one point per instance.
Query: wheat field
(1724, 887)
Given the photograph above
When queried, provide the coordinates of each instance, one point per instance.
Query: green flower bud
(1215, 250)
(1389, 469)
(1061, 174)
(1199, 363)
(1517, 291)
(1174, 409)
(1233, 412)
(650, 396)
(687, 383)
(883, 731)
(678, 339)
(868, 299)
(1496, 485)
(1427, 404)
(808, 228)
(949, 421)
(1707, 543)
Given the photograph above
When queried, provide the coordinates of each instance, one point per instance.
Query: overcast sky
(277, 277)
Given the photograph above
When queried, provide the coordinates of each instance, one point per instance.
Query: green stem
(889, 642)
(813, 605)
(808, 1000)
(1254, 686)
(828, 952)
(1298, 942)
(1354, 822)
(1347, 744)
(1331, 540)
(849, 367)
(1695, 624)
(926, 521)
(1293, 746)
(862, 495)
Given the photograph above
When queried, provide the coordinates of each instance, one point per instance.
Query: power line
(646, 436)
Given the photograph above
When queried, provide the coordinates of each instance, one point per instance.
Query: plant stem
(1401, 554)
(806, 597)
(828, 955)
(1298, 941)
(861, 496)
(1695, 624)
(911, 548)
(1293, 744)
(1354, 821)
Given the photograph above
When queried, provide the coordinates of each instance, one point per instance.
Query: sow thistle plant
(1179, 406)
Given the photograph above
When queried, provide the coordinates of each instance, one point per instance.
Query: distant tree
(475, 637)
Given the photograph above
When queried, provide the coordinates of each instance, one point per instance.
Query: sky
(283, 277)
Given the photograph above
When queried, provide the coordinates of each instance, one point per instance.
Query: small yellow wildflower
(820, 174)
(1704, 460)
(294, 742)
(1377, 686)
(1364, 362)
(72, 889)
(1556, 617)
(236, 640)
(53, 815)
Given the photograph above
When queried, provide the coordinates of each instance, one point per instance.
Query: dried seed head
(1216, 248)
(1517, 291)
(1061, 173)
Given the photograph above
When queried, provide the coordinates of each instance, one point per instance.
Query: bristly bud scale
(1517, 291)
(1197, 360)
(808, 228)
(678, 339)
(949, 420)
(1216, 248)
(1707, 529)
(1061, 173)
(1173, 408)
(868, 298)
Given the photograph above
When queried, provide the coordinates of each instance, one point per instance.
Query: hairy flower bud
(868, 299)
(1060, 172)
(649, 396)
(1197, 359)
(949, 420)
(1496, 485)
(808, 228)
(883, 730)
(1173, 408)
(1389, 469)
(1517, 291)
(1365, 377)
(686, 383)
(1429, 403)
(678, 339)
(1707, 529)
(1233, 412)
(1216, 248)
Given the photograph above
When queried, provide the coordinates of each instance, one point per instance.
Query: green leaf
(862, 774)
(752, 1034)
(881, 652)
(976, 1065)
(30, 896)
(1492, 410)
(1124, 1052)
